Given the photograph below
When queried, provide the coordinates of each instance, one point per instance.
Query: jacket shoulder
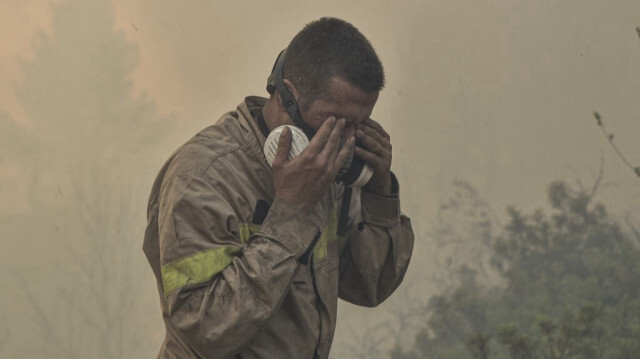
(206, 147)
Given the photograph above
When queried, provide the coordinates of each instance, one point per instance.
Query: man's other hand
(374, 147)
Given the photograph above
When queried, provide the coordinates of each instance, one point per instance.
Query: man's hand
(303, 180)
(374, 147)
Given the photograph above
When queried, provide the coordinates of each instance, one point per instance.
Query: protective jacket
(243, 275)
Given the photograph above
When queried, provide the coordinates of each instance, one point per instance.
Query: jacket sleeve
(378, 248)
(218, 290)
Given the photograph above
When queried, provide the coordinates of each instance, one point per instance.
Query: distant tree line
(570, 290)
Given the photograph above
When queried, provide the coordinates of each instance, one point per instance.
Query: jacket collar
(248, 112)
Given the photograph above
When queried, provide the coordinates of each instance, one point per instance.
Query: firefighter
(251, 248)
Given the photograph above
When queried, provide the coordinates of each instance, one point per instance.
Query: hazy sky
(499, 92)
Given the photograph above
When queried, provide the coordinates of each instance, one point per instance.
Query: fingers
(284, 147)
(368, 157)
(373, 140)
(374, 148)
(342, 155)
(332, 145)
(374, 144)
(321, 137)
(370, 123)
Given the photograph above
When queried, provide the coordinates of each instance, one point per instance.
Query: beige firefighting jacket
(235, 277)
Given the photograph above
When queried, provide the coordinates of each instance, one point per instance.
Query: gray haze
(95, 95)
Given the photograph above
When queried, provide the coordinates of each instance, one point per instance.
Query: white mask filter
(354, 172)
(298, 143)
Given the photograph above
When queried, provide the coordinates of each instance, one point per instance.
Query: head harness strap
(276, 82)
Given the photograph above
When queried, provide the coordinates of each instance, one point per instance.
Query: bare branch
(609, 137)
(45, 324)
(596, 184)
(369, 344)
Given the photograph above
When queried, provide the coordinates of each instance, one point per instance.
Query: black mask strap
(263, 125)
(276, 81)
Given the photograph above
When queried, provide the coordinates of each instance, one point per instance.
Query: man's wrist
(381, 209)
(379, 187)
(290, 227)
(390, 187)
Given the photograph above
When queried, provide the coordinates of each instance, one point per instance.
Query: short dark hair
(330, 47)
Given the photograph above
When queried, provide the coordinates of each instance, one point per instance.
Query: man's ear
(279, 101)
(292, 89)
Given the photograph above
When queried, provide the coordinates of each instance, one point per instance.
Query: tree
(571, 290)
(461, 238)
(460, 256)
(90, 149)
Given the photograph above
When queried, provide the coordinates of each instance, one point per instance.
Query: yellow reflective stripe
(246, 230)
(203, 266)
(329, 234)
(197, 268)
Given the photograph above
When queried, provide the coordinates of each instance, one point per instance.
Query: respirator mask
(354, 172)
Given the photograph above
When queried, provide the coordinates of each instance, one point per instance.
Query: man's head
(330, 48)
(330, 69)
